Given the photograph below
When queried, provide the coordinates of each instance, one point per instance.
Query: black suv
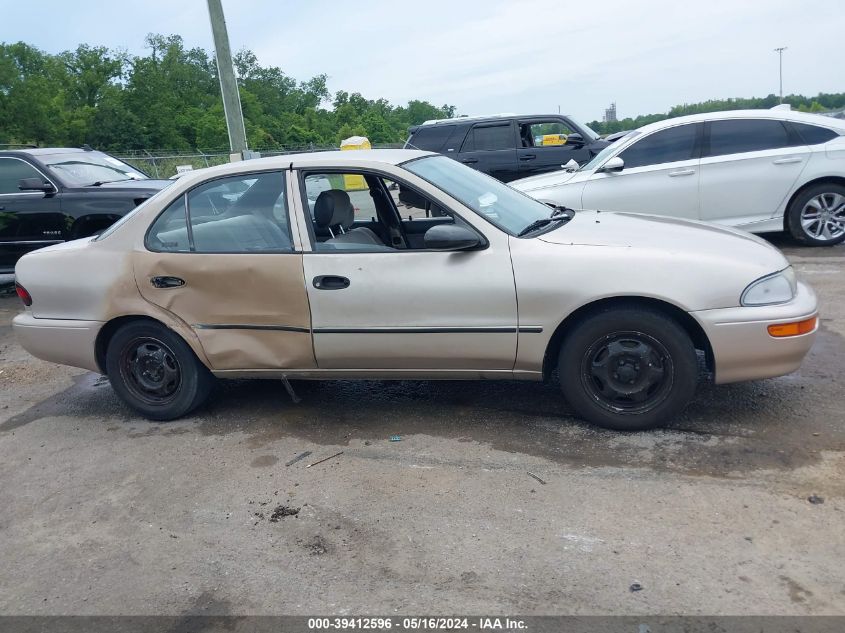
(50, 195)
(508, 146)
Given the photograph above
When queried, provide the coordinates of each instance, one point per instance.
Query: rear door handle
(681, 172)
(330, 282)
(787, 161)
(468, 161)
(167, 282)
(528, 157)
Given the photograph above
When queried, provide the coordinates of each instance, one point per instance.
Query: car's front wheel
(628, 369)
(817, 215)
(155, 372)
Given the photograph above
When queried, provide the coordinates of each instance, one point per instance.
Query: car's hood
(670, 235)
(550, 179)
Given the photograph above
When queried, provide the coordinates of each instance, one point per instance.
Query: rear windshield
(431, 138)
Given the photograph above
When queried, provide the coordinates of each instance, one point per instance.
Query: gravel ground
(106, 513)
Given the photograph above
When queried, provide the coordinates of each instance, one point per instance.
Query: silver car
(409, 266)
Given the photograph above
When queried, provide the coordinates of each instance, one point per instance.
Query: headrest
(334, 207)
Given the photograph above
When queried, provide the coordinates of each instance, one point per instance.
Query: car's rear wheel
(155, 372)
(817, 215)
(628, 369)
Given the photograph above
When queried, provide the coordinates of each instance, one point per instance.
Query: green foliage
(170, 99)
(819, 103)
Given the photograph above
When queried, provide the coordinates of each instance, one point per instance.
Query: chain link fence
(164, 163)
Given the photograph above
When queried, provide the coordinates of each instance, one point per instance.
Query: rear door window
(736, 136)
(486, 138)
(666, 146)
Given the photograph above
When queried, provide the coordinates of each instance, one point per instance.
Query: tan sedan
(394, 264)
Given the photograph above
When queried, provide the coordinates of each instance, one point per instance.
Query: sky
(490, 56)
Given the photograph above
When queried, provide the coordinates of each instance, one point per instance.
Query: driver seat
(334, 212)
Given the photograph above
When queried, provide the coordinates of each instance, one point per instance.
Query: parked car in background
(758, 170)
(470, 279)
(49, 195)
(509, 146)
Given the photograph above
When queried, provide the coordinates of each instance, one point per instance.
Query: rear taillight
(23, 294)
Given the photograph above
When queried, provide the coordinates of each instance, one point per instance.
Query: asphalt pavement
(737, 508)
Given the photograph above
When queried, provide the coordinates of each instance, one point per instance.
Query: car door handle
(467, 161)
(330, 282)
(167, 282)
(681, 172)
(787, 161)
(528, 157)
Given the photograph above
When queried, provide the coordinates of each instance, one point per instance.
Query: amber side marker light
(24, 295)
(781, 330)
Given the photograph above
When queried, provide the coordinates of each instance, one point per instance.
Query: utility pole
(779, 51)
(228, 83)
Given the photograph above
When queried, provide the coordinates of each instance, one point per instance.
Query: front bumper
(60, 341)
(742, 346)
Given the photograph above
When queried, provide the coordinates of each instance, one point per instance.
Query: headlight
(771, 289)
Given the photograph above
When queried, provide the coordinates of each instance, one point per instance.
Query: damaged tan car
(395, 264)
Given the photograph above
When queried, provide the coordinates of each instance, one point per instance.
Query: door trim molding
(431, 330)
(247, 326)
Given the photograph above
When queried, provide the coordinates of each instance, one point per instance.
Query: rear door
(224, 259)
(491, 148)
(748, 169)
(28, 219)
(543, 146)
(660, 176)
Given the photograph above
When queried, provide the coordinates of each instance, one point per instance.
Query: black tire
(155, 372)
(834, 218)
(628, 369)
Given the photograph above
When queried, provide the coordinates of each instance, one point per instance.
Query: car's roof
(487, 117)
(35, 151)
(784, 115)
(355, 158)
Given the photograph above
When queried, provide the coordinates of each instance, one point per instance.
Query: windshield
(506, 208)
(603, 155)
(82, 169)
(590, 132)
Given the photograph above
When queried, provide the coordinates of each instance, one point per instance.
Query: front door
(543, 146)
(391, 304)
(221, 258)
(660, 176)
(28, 219)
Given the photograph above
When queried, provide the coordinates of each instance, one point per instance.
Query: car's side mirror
(35, 184)
(575, 140)
(613, 165)
(450, 237)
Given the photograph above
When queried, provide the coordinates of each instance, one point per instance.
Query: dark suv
(50, 195)
(508, 146)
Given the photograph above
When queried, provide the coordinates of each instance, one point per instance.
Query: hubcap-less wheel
(150, 371)
(627, 372)
(823, 217)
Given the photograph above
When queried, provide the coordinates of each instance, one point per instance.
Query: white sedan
(757, 170)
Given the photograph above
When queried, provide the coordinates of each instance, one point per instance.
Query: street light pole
(779, 51)
(228, 83)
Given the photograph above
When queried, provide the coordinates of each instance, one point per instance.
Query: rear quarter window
(813, 134)
(431, 138)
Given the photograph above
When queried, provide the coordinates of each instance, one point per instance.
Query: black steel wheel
(628, 368)
(154, 371)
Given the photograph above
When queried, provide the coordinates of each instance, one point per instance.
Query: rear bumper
(742, 346)
(58, 340)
